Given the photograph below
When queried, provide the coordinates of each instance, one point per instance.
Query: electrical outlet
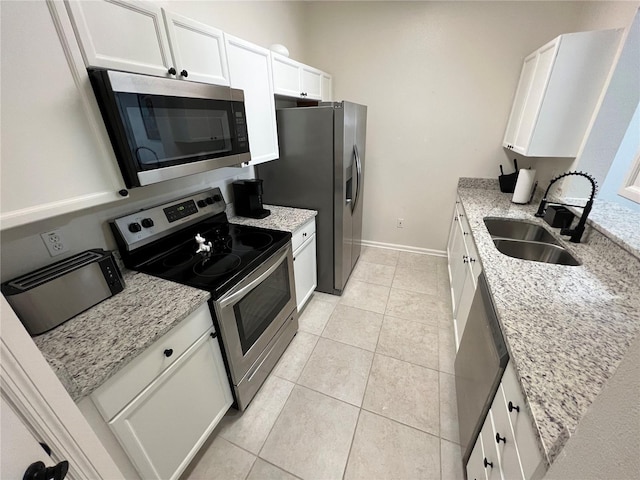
(55, 242)
(400, 223)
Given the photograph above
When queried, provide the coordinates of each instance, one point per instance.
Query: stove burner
(250, 241)
(217, 265)
(177, 259)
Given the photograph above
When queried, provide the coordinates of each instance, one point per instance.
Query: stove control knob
(217, 198)
(147, 223)
(134, 227)
(209, 200)
(202, 203)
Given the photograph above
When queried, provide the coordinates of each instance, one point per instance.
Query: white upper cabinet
(122, 35)
(140, 37)
(250, 70)
(197, 50)
(558, 91)
(326, 87)
(56, 156)
(295, 79)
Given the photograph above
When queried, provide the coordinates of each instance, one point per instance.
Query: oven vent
(58, 269)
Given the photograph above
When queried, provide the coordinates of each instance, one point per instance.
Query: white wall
(439, 79)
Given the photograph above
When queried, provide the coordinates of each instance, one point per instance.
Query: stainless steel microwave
(162, 128)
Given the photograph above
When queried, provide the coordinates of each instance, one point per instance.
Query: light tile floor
(364, 391)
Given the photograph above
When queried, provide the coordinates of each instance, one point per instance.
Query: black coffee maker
(247, 195)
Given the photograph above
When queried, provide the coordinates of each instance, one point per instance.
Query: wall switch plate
(55, 242)
(400, 223)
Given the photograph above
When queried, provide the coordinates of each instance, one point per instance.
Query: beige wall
(261, 22)
(439, 79)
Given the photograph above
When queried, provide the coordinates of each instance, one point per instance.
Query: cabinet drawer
(490, 462)
(120, 389)
(507, 448)
(525, 436)
(475, 467)
(302, 234)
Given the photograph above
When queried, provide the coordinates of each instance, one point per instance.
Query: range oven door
(252, 313)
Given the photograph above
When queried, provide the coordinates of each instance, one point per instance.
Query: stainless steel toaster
(51, 295)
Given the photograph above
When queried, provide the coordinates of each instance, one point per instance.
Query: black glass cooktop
(235, 250)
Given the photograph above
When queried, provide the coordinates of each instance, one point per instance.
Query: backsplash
(23, 249)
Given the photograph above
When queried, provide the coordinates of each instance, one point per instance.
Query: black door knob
(513, 407)
(184, 73)
(487, 463)
(168, 352)
(172, 71)
(500, 439)
(38, 471)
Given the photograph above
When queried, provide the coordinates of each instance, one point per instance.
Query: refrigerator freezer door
(303, 177)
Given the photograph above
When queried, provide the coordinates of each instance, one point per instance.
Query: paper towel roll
(524, 186)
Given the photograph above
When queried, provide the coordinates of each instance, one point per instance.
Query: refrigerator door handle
(359, 177)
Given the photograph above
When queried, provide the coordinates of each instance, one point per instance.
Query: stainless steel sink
(524, 240)
(535, 251)
(518, 230)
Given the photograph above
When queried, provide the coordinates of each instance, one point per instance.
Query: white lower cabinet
(506, 448)
(165, 422)
(464, 268)
(304, 262)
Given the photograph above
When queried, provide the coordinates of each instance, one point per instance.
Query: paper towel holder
(525, 187)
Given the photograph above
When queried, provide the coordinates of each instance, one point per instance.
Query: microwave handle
(233, 298)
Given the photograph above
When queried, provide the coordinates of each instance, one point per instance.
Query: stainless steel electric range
(248, 270)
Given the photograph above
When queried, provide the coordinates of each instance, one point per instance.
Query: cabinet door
(197, 49)
(122, 35)
(544, 62)
(522, 92)
(304, 270)
(311, 83)
(163, 428)
(457, 266)
(250, 70)
(56, 156)
(286, 76)
(326, 87)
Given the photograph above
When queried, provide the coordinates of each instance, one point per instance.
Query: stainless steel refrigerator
(321, 167)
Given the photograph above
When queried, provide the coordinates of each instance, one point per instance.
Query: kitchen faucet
(576, 233)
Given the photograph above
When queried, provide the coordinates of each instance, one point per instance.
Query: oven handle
(225, 302)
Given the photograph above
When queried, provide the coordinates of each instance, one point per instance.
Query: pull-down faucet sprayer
(576, 233)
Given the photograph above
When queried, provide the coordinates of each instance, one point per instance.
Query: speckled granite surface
(91, 347)
(567, 328)
(620, 224)
(281, 218)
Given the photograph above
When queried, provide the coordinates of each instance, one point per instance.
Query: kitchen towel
(524, 186)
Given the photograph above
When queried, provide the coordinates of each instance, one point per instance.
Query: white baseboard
(405, 248)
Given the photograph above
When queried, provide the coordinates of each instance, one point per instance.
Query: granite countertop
(91, 347)
(281, 218)
(566, 327)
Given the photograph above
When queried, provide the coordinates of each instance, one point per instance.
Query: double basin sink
(527, 241)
